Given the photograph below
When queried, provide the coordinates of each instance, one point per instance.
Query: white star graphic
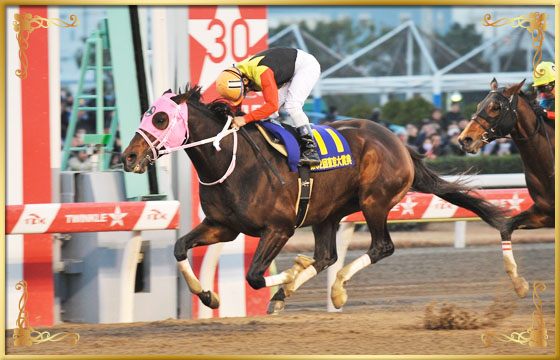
(215, 35)
(408, 206)
(117, 216)
(515, 202)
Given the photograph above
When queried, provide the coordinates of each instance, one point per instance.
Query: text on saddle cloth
(332, 147)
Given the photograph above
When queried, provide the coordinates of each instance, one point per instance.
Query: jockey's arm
(270, 94)
(546, 104)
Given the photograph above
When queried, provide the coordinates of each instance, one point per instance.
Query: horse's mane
(217, 109)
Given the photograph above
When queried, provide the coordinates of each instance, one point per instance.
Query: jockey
(285, 76)
(545, 86)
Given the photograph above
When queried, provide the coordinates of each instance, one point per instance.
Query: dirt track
(385, 313)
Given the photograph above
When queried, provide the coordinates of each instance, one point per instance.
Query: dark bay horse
(252, 201)
(508, 111)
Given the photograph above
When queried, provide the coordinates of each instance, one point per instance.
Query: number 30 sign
(220, 36)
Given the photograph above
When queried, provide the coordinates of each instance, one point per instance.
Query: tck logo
(35, 219)
(156, 215)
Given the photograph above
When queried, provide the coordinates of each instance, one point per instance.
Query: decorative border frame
(25, 24)
(535, 336)
(534, 22)
(24, 334)
(290, 2)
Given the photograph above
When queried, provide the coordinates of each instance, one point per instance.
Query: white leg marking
(304, 276)
(508, 257)
(188, 274)
(277, 279)
(356, 265)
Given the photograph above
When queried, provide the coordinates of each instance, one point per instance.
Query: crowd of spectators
(438, 135)
(79, 160)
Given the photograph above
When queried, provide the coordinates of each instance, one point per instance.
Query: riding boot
(309, 156)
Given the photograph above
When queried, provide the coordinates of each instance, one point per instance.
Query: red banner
(417, 206)
(88, 217)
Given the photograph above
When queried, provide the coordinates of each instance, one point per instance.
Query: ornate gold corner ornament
(25, 335)
(25, 24)
(535, 336)
(535, 23)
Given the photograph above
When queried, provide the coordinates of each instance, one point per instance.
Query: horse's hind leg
(206, 233)
(381, 246)
(324, 256)
(531, 218)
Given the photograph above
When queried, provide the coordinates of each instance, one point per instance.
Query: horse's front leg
(531, 218)
(270, 244)
(206, 233)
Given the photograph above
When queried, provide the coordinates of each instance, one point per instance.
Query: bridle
(497, 126)
(158, 148)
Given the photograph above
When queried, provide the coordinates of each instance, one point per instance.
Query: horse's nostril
(129, 158)
(466, 140)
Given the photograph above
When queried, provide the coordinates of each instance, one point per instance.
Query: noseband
(501, 125)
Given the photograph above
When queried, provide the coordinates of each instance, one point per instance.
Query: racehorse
(239, 195)
(508, 111)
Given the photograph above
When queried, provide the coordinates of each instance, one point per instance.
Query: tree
(463, 39)
(410, 111)
(343, 37)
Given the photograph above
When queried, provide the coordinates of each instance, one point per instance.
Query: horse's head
(164, 126)
(495, 117)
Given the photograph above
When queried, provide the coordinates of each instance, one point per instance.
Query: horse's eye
(160, 120)
(496, 107)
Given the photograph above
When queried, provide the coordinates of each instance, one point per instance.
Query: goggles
(546, 88)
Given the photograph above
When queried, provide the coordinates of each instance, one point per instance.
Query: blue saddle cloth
(332, 147)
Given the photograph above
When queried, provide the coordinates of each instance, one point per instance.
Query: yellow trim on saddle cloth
(279, 147)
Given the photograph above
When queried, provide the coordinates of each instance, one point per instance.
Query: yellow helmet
(549, 75)
(230, 85)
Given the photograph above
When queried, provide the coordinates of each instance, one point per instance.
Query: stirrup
(310, 159)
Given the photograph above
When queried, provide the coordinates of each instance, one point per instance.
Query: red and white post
(33, 154)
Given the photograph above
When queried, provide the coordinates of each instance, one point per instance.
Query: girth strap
(305, 185)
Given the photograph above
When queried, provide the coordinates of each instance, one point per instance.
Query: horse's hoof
(338, 296)
(521, 287)
(275, 307)
(210, 299)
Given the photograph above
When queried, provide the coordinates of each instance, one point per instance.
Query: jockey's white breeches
(294, 93)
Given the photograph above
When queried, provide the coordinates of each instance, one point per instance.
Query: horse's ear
(493, 84)
(514, 89)
(179, 99)
(167, 92)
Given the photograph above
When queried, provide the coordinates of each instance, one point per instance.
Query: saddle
(333, 151)
(332, 147)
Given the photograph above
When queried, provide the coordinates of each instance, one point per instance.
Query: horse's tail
(427, 181)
